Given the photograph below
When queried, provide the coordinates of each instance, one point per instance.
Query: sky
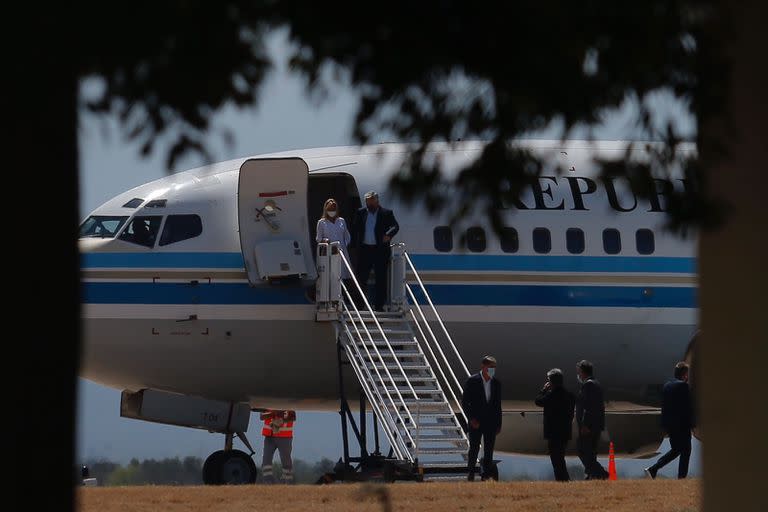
(286, 118)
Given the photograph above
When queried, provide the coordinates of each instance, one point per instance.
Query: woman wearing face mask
(332, 228)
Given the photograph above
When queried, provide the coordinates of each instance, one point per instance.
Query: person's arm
(393, 227)
(465, 402)
(590, 407)
(347, 236)
(542, 398)
(498, 406)
(320, 231)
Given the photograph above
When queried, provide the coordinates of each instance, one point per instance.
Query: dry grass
(627, 495)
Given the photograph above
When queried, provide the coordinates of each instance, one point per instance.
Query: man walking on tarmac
(590, 417)
(278, 435)
(558, 405)
(677, 419)
(481, 402)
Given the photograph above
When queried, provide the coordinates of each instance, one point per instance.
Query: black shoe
(471, 477)
(650, 472)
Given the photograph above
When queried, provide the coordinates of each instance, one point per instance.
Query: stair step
(433, 438)
(398, 353)
(381, 343)
(417, 389)
(454, 477)
(444, 464)
(442, 451)
(412, 378)
(404, 366)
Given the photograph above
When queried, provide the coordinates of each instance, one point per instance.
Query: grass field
(623, 495)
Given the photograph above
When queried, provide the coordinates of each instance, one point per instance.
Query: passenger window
(611, 241)
(142, 230)
(180, 227)
(509, 240)
(542, 240)
(574, 240)
(443, 236)
(645, 242)
(476, 239)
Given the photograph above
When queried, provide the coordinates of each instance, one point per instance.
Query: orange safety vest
(284, 430)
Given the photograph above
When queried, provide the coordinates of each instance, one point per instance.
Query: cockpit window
(101, 226)
(142, 230)
(180, 227)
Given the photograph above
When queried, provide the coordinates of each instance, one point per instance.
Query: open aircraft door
(272, 216)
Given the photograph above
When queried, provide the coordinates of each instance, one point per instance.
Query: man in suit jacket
(590, 416)
(481, 402)
(558, 405)
(677, 419)
(372, 230)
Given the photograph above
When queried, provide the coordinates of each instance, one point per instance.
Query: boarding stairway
(404, 361)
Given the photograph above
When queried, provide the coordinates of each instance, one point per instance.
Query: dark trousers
(557, 456)
(680, 443)
(489, 439)
(373, 257)
(587, 447)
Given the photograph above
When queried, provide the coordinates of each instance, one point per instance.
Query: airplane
(177, 315)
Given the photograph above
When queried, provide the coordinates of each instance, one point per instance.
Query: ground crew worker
(278, 435)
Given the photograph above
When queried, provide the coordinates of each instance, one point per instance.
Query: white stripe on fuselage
(451, 314)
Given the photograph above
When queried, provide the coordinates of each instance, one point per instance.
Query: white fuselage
(184, 317)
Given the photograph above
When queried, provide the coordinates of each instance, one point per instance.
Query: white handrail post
(397, 278)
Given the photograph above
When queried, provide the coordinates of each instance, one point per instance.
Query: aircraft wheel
(229, 467)
(210, 468)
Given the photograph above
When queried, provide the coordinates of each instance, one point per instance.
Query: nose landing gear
(230, 466)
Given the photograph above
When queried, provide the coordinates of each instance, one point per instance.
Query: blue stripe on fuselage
(442, 294)
(427, 262)
(654, 264)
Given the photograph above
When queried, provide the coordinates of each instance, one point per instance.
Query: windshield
(101, 226)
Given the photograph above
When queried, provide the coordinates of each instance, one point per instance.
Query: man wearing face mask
(590, 417)
(372, 231)
(481, 402)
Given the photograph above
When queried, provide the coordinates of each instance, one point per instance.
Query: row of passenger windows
(143, 230)
(542, 240)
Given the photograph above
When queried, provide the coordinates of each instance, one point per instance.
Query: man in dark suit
(481, 402)
(677, 419)
(558, 405)
(372, 230)
(590, 417)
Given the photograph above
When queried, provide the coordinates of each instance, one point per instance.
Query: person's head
(584, 370)
(488, 366)
(555, 377)
(330, 209)
(681, 371)
(372, 200)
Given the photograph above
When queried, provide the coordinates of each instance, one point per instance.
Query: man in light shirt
(372, 230)
(481, 402)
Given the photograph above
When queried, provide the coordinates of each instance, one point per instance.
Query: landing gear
(230, 466)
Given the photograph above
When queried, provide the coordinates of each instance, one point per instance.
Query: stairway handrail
(434, 311)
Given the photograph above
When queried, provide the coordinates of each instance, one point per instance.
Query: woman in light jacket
(332, 228)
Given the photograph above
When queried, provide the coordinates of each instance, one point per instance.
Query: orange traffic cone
(611, 463)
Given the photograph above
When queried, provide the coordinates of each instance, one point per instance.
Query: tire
(211, 470)
(234, 467)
